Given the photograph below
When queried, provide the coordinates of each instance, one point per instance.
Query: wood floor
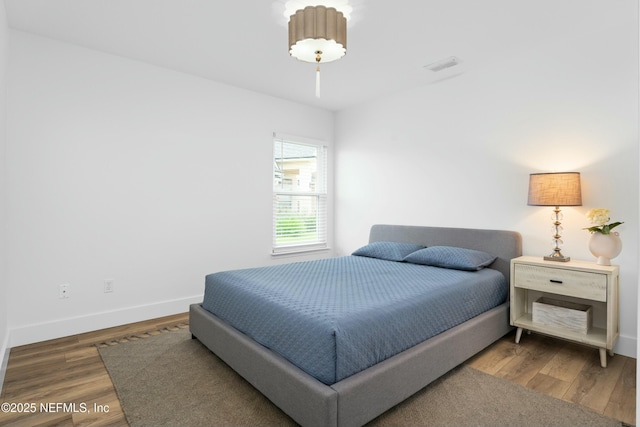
(566, 371)
(67, 371)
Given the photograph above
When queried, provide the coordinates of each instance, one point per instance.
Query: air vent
(443, 64)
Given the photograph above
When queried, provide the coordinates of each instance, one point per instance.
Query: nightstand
(577, 291)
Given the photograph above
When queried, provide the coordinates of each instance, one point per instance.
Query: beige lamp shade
(317, 34)
(555, 189)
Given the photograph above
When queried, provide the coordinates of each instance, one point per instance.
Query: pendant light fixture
(317, 34)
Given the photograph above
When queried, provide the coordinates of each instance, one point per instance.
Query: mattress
(335, 317)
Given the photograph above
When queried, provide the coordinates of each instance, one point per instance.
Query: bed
(353, 391)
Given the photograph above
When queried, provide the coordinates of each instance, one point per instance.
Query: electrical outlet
(108, 285)
(63, 291)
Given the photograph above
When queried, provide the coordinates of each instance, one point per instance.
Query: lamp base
(556, 256)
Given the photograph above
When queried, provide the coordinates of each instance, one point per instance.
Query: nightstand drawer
(579, 284)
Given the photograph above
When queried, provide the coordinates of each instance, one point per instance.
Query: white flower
(600, 216)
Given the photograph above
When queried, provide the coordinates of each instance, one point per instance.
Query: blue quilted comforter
(335, 317)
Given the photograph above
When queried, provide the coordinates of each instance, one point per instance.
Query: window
(299, 195)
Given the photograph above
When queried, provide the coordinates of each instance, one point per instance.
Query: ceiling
(244, 42)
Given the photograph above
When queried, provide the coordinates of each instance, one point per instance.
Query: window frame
(321, 196)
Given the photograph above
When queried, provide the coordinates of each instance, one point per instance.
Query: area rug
(171, 380)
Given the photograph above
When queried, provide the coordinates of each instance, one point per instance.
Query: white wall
(4, 332)
(459, 152)
(120, 170)
(134, 173)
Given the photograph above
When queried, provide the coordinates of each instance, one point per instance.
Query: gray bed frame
(360, 398)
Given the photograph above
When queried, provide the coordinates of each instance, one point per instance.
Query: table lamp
(555, 189)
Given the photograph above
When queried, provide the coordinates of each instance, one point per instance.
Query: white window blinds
(299, 195)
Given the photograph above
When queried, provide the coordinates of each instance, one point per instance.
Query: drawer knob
(555, 281)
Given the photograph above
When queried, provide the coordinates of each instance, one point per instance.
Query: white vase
(605, 246)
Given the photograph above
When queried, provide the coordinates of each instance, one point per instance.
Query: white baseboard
(4, 359)
(77, 325)
(627, 346)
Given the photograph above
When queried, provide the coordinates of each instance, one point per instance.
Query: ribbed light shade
(317, 32)
(555, 189)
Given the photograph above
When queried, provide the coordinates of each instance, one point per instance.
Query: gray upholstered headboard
(502, 243)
